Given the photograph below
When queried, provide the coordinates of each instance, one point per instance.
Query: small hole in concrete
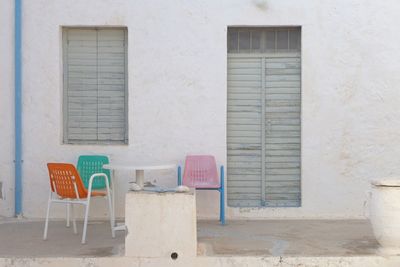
(174, 255)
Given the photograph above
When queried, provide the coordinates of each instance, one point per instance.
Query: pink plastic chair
(201, 173)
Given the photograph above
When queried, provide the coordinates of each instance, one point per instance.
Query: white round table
(139, 169)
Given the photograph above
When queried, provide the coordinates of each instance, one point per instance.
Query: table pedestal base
(140, 178)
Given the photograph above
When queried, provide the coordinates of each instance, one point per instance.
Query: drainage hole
(174, 255)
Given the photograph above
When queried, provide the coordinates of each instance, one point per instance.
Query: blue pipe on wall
(17, 107)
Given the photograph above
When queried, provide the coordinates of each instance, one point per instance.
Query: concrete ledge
(370, 261)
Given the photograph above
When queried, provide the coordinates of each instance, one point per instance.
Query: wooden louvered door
(263, 130)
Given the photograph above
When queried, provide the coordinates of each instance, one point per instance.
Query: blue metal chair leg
(220, 204)
(179, 175)
(222, 198)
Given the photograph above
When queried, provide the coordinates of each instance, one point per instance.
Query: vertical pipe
(17, 107)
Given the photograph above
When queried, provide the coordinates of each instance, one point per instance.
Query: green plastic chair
(91, 164)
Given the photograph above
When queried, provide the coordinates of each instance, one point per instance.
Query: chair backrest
(201, 172)
(91, 164)
(63, 176)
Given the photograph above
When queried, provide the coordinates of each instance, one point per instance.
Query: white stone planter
(384, 214)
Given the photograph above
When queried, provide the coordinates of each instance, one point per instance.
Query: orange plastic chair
(66, 187)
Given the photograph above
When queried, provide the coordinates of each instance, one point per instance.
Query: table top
(134, 167)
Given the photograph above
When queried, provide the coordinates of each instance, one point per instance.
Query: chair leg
(179, 175)
(110, 209)
(68, 220)
(86, 220)
(113, 196)
(222, 196)
(46, 225)
(73, 219)
(222, 207)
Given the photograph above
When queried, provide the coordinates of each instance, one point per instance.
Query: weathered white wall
(177, 93)
(6, 108)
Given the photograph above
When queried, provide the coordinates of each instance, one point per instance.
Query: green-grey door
(264, 123)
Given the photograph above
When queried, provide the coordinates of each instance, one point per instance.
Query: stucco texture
(177, 80)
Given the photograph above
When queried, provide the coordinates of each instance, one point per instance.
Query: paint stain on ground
(363, 246)
(99, 252)
(279, 247)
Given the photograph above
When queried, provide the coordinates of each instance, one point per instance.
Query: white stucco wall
(177, 93)
(7, 108)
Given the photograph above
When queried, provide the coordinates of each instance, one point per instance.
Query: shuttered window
(95, 86)
(264, 123)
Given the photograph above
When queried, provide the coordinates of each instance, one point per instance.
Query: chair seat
(95, 194)
(205, 186)
(98, 194)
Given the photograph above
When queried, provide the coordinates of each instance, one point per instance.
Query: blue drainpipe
(18, 115)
